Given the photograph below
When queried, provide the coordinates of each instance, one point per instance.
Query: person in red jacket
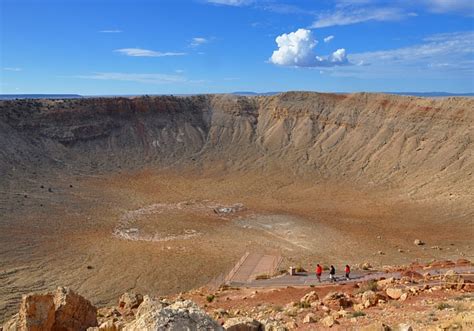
(348, 271)
(319, 271)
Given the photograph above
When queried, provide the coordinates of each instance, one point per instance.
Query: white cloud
(296, 49)
(236, 3)
(441, 55)
(198, 41)
(111, 31)
(446, 6)
(328, 39)
(134, 77)
(346, 16)
(145, 52)
(12, 69)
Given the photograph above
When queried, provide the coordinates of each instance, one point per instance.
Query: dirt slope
(423, 145)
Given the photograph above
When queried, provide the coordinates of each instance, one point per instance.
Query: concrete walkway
(305, 279)
(253, 265)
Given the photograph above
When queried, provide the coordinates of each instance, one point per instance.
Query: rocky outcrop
(336, 300)
(62, 310)
(72, 311)
(180, 315)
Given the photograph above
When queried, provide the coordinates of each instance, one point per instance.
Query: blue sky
(97, 47)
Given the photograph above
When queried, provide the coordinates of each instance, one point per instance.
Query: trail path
(252, 265)
(307, 279)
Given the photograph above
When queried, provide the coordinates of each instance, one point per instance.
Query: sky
(125, 47)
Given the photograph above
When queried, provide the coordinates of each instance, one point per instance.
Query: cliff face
(369, 138)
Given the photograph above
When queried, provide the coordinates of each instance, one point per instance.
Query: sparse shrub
(464, 296)
(370, 285)
(224, 287)
(303, 304)
(300, 269)
(262, 276)
(210, 298)
(278, 308)
(395, 304)
(443, 305)
(358, 314)
(459, 308)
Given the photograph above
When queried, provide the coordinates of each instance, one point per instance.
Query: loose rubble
(430, 300)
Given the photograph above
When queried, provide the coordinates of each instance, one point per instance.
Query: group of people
(332, 272)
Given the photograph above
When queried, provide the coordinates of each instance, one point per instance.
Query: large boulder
(242, 324)
(152, 315)
(72, 311)
(309, 297)
(394, 292)
(369, 299)
(336, 300)
(62, 310)
(36, 312)
(383, 283)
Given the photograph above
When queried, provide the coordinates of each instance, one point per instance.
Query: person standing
(319, 271)
(348, 271)
(332, 274)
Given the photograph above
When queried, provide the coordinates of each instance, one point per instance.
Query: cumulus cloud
(139, 52)
(296, 49)
(328, 39)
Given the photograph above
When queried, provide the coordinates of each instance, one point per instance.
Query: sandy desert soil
(104, 210)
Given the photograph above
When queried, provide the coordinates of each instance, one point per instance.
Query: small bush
(263, 276)
(464, 296)
(210, 298)
(371, 285)
(459, 308)
(278, 308)
(443, 305)
(300, 269)
(303, 304)
(358, 314)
